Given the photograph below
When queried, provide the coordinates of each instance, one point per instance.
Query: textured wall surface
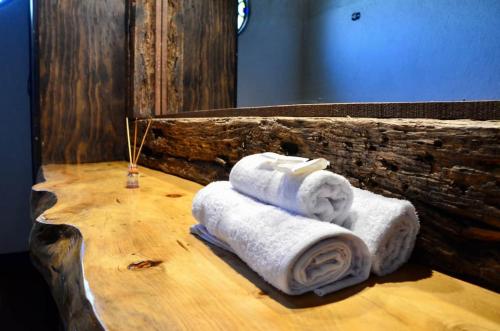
(183, 56)
(83, 80)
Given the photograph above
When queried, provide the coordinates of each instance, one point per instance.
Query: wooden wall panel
(142, 24)
(209, 54)
(194, 65)
(83, 79)
(448, 169)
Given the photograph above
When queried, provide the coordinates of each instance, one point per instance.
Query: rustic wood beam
(450, 170)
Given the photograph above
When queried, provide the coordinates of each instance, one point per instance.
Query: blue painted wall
(15, 129)
(412, 50)
(270, 54)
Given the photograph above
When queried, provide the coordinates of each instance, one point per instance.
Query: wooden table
(123, 259)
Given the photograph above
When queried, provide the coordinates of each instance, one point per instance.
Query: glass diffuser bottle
(133, 176)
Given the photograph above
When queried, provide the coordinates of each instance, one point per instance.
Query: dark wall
(15, 131)
(83, 79)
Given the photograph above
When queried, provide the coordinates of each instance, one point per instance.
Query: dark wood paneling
(448, 169)
(477, 110)
(83, 80)
(192, 61)
(209, 54)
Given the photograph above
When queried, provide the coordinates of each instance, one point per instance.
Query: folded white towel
(388, 226)
(293, 253)
(294, 184)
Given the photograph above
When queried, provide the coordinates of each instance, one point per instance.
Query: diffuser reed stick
(142, 142)
(135, 138)
(128, 141)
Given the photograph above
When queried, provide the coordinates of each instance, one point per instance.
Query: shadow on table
(407, 273)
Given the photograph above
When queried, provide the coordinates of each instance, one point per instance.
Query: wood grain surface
(143, 61)
(142, 270)
(184, 56)
(448, 169)
(209, 54)
(83, 81)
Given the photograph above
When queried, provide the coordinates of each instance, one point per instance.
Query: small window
(243, 12)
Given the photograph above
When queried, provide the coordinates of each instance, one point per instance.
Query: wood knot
(174, 195)
(144, 264)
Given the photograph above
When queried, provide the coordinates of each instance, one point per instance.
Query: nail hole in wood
(426, 158)
(389, 166)
(157, 132)
(348, 144)
(438, 143)
(289, 148)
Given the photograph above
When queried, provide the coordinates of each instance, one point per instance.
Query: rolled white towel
(293, 253)
(388, 226)
(294, 184)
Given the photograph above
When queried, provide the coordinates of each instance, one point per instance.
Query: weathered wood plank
(173, 57)
(140, 269)
(450, 170)
(193, 45)
(83, 64)
(143, 60)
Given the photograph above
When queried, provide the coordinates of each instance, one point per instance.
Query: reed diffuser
(133, 170)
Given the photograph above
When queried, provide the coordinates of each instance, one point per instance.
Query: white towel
(293, 253)
(294, 184)
(388, 226)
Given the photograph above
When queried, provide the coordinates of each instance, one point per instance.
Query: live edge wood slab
(121, 259)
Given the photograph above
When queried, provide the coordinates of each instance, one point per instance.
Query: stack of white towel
(303, 228)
